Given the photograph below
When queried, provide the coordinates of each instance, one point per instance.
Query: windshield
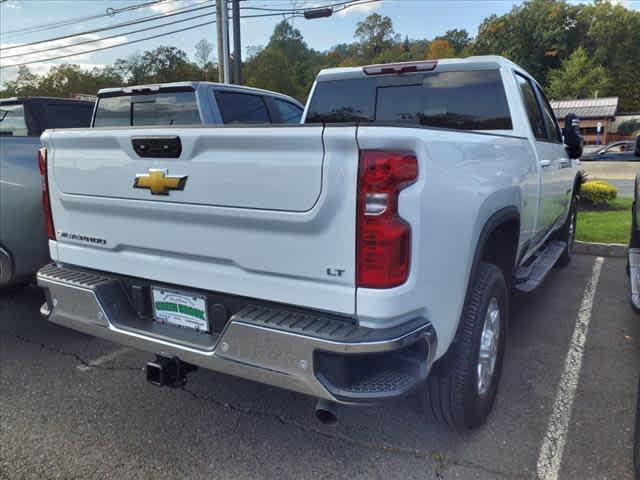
(466, 100)
(12, 121)
(164, 108)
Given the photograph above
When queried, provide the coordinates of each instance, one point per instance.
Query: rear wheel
(463, 384)
(567, 234)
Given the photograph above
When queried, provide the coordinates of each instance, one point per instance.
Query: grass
(605, 225)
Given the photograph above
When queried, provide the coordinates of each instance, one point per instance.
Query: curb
(600, 249)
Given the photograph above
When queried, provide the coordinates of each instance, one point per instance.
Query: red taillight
(46, 204)
(384, 238)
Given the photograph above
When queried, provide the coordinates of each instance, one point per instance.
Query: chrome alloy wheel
(489, 344)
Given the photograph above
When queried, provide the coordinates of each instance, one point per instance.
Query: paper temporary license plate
(180, 309)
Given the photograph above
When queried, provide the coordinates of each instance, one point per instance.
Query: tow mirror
(573, 141)
(638, 146)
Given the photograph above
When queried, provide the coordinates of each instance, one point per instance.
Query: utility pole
(225, 41)
(219, 41)
(237, 54)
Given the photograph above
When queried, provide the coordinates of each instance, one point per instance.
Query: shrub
(598, 192)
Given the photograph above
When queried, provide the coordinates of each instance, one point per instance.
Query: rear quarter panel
(464, 178)
(22, 230)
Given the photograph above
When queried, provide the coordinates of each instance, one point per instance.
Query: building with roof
(593, 113)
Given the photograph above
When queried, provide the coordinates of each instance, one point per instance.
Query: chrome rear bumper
(306, 352)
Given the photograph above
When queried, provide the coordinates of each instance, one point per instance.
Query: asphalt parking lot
(620, 174)
(74, 407)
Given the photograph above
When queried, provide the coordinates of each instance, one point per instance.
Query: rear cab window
(461, 100)
(165, 108)
(68, 115)
(242, 107)
(12, 121)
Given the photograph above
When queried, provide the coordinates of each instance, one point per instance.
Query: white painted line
(550, 458)
(103, 359)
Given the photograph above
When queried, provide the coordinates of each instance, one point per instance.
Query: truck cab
(192, 103)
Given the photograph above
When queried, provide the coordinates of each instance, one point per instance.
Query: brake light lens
(383, 237)
(402, 67)
(46, 203)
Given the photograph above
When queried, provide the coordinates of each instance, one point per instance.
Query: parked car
(362, 255)
(624, 151)
(192, 103)
(23, 239)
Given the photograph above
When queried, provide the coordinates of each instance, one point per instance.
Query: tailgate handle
(157, 147)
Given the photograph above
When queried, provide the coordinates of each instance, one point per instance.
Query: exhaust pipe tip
(326, 412)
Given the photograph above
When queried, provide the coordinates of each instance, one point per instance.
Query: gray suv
(23, 238)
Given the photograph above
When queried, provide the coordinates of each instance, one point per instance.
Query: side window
(12, 122)
(288, 112)
(242, 108)
(68, 115)
(553, 130)
(532, 107)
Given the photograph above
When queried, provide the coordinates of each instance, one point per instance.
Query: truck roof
(41, 99)
(195, 85)
(479, 62)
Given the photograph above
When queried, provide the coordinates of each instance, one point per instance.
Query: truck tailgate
(266, 212)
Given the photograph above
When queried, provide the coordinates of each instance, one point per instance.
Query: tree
(579, 77)
(458, 39)
(537, 35)
(286, 64)
(375, 33)
(613, 39)
(160, 65)
(25, 84)
(440, 49)
(204, 48)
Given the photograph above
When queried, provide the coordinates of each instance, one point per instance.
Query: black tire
(567, 234)
(15, 287)
(452, 393)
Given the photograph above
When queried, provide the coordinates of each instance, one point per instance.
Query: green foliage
(285, 65)
(375, 34)
(440, 48)
(458, 40)
(629, 127)
(598, 192)
(542, 35)
(578, 77)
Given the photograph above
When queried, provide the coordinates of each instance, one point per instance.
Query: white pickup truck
(366, 253)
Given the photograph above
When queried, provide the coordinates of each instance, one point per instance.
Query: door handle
(545, 163)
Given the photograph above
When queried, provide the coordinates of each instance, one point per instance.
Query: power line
(94, 40)
(151, 18)
(301, 10)
(291, 14)
(130, 42)
(109, 12)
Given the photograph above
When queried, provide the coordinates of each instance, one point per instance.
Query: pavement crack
(73, 355)
(441, 462)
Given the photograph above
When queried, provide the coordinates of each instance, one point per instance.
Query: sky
(415, 18)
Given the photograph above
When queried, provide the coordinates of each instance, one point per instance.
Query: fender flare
(494, 221)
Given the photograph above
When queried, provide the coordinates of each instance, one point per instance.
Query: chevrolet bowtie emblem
(159, 182)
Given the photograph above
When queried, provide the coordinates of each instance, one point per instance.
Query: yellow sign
(159, 182)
